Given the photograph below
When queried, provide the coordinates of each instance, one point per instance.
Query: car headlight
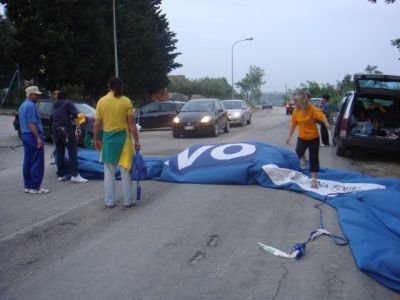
(236, 114)
(205, 119)
(176, 120)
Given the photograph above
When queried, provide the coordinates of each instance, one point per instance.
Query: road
(182, 241)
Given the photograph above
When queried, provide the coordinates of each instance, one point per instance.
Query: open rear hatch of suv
(375, 112)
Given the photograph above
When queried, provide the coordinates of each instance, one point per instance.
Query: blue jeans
(33, 166)
(109, 185)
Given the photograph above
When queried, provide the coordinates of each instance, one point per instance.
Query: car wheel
(242, 122)
(340, 149)
(215, 131)
(249, 120)
(175, 135)
(227, 127)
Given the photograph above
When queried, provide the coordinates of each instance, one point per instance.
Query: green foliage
(74, 91)
(7, 47)
(250, 86)
(387, 1)
(70, 42)
(372, 70)
(207, 87)
(336, 92)
(396, 43)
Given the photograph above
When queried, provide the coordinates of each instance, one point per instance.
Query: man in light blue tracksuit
(33, 141)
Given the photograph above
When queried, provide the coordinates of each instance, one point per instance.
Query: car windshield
(192, 106)
(379, 84)
(87, 110)
(232, 104)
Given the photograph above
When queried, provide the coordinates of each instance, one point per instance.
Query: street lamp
(233, 45)
(115, 42)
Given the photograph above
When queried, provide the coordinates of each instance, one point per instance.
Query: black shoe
(130, 205)
(110, 206)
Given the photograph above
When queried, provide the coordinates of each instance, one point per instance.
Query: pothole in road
(199, 255)
(213, 241)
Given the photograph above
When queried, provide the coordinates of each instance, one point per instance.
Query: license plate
(189, 127)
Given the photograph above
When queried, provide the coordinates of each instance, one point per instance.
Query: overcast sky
(294, 41)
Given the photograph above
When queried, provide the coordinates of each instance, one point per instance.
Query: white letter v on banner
(184, 160)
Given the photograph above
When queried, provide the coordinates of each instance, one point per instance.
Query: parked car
(201, 116)
(45, 106)
(369, 116)
(289, 108)
(238, 111)
(266, 104)
(158, 114)
(316, 102)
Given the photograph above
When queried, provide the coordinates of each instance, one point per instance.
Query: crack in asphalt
(278, 288)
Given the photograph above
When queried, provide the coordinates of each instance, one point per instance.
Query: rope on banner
(299, 249)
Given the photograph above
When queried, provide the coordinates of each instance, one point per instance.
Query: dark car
(266, 104)
(289, 108)
(158, 114)
(201, 116)
(45, 106)
(369, 116)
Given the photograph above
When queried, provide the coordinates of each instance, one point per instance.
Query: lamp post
(115, 42)
(233, 45)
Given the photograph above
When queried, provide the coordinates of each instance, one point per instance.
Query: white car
(238, 111)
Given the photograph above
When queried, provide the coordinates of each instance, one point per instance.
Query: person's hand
(288, 140)
(39, 142)
(97, 145)
(78, 132)
(137, 146)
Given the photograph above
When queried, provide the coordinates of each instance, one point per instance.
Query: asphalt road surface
(182, 241)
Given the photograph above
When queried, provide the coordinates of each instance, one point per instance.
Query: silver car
(238, 111)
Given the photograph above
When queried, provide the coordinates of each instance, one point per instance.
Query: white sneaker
(78, 179)
(62, 178)
(314, 183)
(39, 191)
(26, 190)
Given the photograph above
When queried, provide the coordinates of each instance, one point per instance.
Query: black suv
(369, 116)
(158, 114)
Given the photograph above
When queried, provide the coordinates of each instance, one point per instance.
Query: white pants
(109, 185)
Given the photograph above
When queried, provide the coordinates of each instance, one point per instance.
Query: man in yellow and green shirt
(114, 112)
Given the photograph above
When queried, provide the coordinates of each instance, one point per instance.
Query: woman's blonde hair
(302, 98)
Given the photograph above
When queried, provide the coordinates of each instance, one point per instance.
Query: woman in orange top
(306, 116)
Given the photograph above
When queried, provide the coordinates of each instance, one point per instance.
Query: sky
(294, 41)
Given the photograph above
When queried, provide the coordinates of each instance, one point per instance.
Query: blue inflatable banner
(368, 208)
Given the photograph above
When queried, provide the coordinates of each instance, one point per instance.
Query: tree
(387, 1)
(71, 43)
(7, 47)
(207, 87)
(396, 43)
(250, 86)
(372, 70)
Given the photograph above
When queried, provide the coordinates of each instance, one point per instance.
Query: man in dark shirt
(65, 128)
(327, 111)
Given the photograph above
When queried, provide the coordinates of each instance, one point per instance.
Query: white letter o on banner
(246, 149)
